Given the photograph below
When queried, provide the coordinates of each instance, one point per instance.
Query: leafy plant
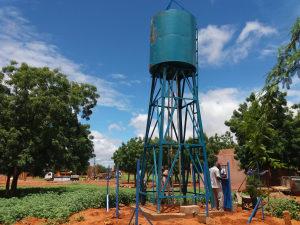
(46, 202)
(278, 206)
(252, 188)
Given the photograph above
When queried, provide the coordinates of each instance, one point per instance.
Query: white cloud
(21, 42)
(293, 95)
(116, 126)
(136, 81)
(212, 41)
(255, 28)
(266, 52)
(129, 83)
(139, 123)
(104, 147)
(216, 107)
(125, 83)
(117, 76)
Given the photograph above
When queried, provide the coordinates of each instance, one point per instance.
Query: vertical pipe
(161, 136)
(179, 125)
(202, 141)
(229, 185)
(262, 205)
(137, 193)
(117, 197)
(171, 153)
(205, 186)
(153, 186)
(168, 155)
(148, 126)
(107, 197)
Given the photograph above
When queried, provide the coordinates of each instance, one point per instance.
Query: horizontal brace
(176, 196)
(147, 194)
(181, 98)
(192, 145)
(166, 107)
(169, 143)
(189, 104)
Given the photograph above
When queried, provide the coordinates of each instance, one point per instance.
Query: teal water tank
(173, 40)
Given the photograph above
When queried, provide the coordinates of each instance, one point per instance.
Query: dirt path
(100, 216)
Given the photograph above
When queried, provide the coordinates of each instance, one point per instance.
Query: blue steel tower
(173, 68)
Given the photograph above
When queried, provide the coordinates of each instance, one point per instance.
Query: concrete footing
(190, 210)
(184, 211)
(209, 220)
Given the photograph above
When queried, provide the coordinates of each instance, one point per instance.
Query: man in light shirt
(216, 186)
(164, 175)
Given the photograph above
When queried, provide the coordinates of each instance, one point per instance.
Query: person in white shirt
(164, 175)
(216, 186)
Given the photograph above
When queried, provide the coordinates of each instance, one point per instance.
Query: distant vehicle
(61, 176)
(292, 182)
(49, 176)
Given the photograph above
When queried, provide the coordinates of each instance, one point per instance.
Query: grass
(38, 179)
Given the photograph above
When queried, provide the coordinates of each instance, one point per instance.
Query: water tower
(174, 112)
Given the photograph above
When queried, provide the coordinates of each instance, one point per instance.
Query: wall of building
(236, 176)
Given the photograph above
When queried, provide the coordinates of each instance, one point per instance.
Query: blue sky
(106, 43)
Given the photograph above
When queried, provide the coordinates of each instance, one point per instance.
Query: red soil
(100, 216)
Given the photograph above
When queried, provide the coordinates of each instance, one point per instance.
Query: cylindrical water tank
(173, 40)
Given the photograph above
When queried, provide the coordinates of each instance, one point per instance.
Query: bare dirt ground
(100, 216)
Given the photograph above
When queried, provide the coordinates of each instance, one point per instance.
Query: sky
(107, 43)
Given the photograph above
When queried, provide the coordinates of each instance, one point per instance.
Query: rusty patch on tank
(150, 65)
(160, 13)
(153, 35)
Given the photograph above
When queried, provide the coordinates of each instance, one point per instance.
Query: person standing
(164, 175)
(216, 186)
(250, 172)
(142, 196)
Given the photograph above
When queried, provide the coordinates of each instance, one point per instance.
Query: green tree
(288, 61)
(213, 146)
(101, 169)
(39, 128)
(127, 154)
(279, 139)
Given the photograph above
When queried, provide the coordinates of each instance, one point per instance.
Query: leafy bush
(276, 207)
(58, 202)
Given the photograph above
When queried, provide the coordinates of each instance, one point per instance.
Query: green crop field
(57, 202)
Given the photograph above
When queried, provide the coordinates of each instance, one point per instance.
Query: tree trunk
(7, 182)
(13, 187)
(135, 180)
(128, 177)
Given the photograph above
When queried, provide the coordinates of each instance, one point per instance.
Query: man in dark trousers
(216, 186)
(250, 172)
(142, 196)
